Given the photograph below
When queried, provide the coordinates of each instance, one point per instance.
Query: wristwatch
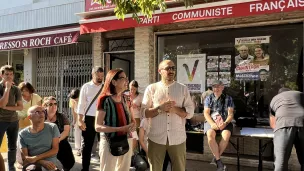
(226, 123)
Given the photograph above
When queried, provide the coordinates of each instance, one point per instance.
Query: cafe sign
(40, 41)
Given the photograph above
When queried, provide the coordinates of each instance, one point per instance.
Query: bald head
(32, 110)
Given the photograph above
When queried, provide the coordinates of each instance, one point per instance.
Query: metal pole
(57, 71)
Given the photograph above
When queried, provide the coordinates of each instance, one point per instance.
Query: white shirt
(168, 125)
(87, 93)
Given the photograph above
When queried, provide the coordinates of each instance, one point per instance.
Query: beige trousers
(157, 153)
(108, 162)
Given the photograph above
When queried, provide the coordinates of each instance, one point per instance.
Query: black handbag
(118, 145)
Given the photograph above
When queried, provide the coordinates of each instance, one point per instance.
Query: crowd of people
(114, 122)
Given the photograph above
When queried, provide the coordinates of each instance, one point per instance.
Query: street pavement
(192, 165)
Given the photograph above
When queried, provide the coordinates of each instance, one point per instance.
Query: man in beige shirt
(168, 104)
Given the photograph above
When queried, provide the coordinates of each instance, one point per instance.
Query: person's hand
(48, 165)
(31, 159)
(82, 125)
(8, 85)
(214, 126)
(128, 128)
(167, 105)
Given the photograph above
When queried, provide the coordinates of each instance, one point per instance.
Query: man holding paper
(218, 112)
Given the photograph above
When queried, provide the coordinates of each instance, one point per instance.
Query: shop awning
(45, 38)
(216, 10)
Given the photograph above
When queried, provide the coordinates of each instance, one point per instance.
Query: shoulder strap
(93, 100)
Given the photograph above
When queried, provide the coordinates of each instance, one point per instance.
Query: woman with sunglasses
(113, 119)
(65, 153)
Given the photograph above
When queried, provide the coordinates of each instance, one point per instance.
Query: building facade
(254, 47)
(41, 40)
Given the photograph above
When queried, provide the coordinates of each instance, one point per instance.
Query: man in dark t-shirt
(287, 119)
(8, 115)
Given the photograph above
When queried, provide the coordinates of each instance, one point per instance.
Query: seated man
(39, 142)
(218, 113)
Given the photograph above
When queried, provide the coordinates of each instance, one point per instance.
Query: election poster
(225, 62)
(211, 77)
(191, 71)
(252, 58)
(225, 78)
(212, 63)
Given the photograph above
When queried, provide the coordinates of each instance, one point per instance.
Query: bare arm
(19, 106)
(142, 140)
(208, 116)
(75, 115)
(100, 127)
(230, 115)
(65, 133)
(4, 98)
(272, 121)
(24, 153)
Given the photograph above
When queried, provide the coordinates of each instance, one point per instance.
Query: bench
(257, 133)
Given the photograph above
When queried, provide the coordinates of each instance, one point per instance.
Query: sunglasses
(170, 68)
(52, 104)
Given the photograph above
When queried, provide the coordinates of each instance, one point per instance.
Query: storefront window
(253, 63)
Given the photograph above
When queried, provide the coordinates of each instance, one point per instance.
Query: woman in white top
(74, 95)
(135, 99)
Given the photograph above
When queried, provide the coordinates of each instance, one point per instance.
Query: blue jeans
(11, 129)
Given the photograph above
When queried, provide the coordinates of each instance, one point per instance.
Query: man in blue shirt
(39, 142)
(218, 112)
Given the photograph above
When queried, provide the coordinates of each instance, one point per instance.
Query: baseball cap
(217, 82)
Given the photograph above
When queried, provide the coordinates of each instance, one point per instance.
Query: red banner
(40, 41)
(91, 5)
(225, 11)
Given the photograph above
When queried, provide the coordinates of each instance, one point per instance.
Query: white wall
(5, 4)
(20, 15)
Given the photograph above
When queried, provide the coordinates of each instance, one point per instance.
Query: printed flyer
(225, 62)
(211, 77)
(252, 58)
(225, 78)
(191, 71)
(212, 63)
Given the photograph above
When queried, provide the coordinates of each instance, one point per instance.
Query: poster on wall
(252, 58)
(212, 63)
(225, 62)
(211, 77)
(191, 71)
(225, 78)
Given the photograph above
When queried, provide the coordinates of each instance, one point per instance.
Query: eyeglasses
(123, 78)
(51, 104)
(170, 68)
(38, 112)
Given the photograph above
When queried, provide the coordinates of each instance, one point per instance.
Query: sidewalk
(192, 165)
